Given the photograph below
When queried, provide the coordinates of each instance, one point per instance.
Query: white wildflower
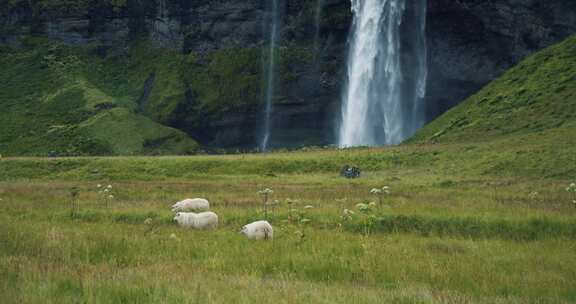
(308, 207)
(363, 207)
(380, 191)
(376, 191)
(266, 191)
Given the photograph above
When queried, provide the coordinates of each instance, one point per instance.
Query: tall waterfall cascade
(270, 74)
(317, 24)
(384, 93)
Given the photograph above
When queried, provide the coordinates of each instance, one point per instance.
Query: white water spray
(317, 25)
(270, 75)
(421, 49)
(374, 111)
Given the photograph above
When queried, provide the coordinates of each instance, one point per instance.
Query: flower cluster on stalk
(572, 190)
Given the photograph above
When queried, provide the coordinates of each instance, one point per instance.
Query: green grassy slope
(549, 155)
(51, 101)
(535, 97)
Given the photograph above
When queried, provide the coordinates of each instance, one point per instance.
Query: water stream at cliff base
(270, 75)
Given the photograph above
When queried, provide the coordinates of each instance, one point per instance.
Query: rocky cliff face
(471, 42)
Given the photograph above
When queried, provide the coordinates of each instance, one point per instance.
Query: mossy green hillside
(223, 80)
(74, 84)
(51, 103)
(128, 133)
(538, 94)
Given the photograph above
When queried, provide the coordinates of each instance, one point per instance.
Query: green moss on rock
(128, 133)
(230, 78)
(56, 99)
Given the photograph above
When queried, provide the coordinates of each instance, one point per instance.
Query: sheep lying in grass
(191, 204)
(260, 230)
(204, 220)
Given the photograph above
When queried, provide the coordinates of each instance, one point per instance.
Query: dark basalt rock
(472, 42)
(350, 172)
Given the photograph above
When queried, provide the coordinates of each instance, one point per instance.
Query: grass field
(443, 234)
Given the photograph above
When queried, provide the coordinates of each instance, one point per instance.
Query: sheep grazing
(191, 204)
(260, 230)
(204, 220)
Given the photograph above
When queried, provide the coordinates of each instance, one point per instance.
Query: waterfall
(270, 74)
(163, 9)
(421, 66)
(375, 110)
(317, 25)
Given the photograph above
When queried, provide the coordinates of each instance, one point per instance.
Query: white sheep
(204, 220)
(260, 230)
(191, 204)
